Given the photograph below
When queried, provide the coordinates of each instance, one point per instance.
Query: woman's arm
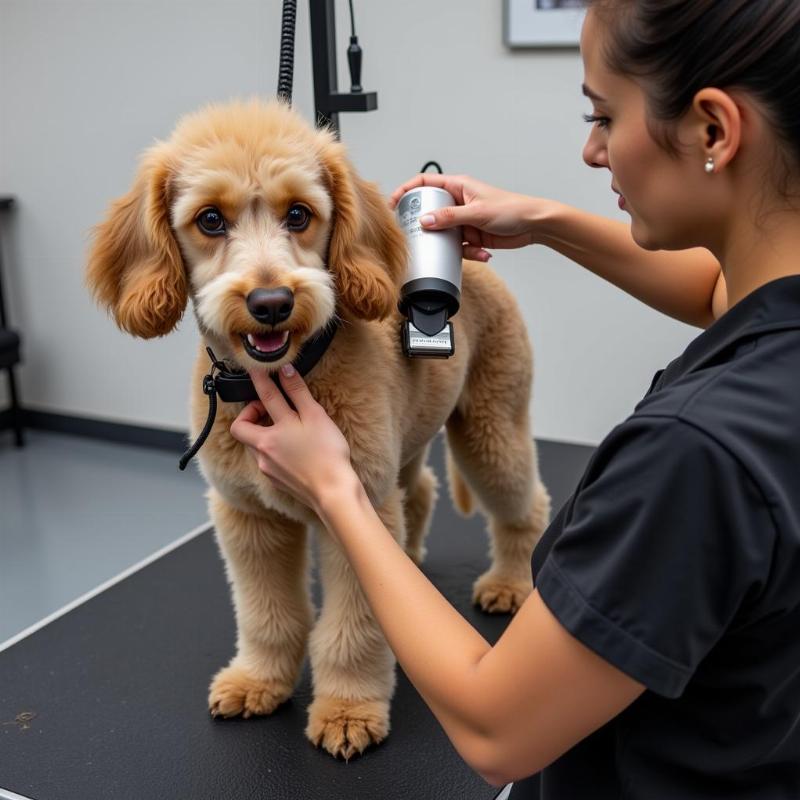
(510, 709)
(685, 284)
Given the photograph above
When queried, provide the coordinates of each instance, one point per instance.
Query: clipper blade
(417, 344)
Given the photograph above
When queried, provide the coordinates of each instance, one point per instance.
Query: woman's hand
(302, 452)
(489, 217)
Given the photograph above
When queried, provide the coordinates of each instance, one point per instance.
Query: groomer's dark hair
(677, 47)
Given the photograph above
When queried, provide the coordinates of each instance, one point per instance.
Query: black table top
(109, 700)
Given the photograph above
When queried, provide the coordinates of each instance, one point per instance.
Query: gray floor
(75, 512)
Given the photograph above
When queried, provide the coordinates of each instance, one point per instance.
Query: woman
(658, 655)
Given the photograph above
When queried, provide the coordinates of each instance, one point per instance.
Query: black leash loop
(209, 389)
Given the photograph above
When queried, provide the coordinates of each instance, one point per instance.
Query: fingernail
(288, 370)
(427, 219)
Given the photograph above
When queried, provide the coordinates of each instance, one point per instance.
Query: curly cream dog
(248, 196)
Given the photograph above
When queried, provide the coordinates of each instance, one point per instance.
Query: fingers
(472, 235)
(472, 253)
(423, 179)
(270, 396)
(253, 412)
(245, 427)
(473, 244)
(453, 183)
(297, 389)
(448, 217)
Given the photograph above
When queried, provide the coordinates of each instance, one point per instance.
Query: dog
(247, 197)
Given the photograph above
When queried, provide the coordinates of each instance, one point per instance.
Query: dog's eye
(298, 218)
(211, 222)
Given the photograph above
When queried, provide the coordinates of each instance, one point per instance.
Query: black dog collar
(235, 386)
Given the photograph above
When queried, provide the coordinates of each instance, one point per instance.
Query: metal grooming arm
(328, 101)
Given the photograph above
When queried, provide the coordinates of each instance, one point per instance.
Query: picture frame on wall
(542, 23)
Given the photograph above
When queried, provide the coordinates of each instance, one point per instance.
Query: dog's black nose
(271, 306)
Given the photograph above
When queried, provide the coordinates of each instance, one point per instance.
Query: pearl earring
(709, 167)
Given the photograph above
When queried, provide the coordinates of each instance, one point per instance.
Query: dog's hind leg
(351, 662)
(420, 485)
(492, 448)
(266, 563)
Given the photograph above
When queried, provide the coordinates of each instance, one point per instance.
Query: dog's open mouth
(267, 346)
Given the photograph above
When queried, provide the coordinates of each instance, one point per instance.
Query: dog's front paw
(347, 727)
(498, 594)
(233, 691)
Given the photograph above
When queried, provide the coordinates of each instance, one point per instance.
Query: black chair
(10, 348)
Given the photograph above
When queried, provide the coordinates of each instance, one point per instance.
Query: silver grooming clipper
(432, 290)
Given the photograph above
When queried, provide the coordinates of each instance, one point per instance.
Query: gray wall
(85, 85)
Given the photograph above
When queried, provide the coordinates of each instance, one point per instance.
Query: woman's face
(659, 191)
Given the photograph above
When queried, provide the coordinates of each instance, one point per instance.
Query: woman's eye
(298, 218)
(602, 122)
(211, 222)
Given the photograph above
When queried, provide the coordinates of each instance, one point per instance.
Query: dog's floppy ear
(367, 251)
(135, 267)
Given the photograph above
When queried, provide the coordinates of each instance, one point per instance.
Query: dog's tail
(462, 497)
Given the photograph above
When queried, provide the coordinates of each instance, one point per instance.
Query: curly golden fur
(254, 161)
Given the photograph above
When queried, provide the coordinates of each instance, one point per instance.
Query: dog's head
(262, 220)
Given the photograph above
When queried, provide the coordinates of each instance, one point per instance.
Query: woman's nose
(594, 152)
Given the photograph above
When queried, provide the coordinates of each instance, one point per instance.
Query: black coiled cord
(286, 62)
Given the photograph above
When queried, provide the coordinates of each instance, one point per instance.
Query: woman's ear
(367, 251)
(135, 267)
(718, 123)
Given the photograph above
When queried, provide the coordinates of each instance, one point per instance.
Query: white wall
(85, 85)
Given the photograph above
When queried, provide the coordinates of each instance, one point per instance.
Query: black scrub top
(677, 560)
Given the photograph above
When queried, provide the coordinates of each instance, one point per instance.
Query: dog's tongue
(269, 341)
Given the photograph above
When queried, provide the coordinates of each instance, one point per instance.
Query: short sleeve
(667, 536)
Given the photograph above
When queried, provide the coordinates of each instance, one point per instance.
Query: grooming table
(108, 702)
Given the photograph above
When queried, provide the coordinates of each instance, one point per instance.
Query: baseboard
(120, 433)
(171, 440)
